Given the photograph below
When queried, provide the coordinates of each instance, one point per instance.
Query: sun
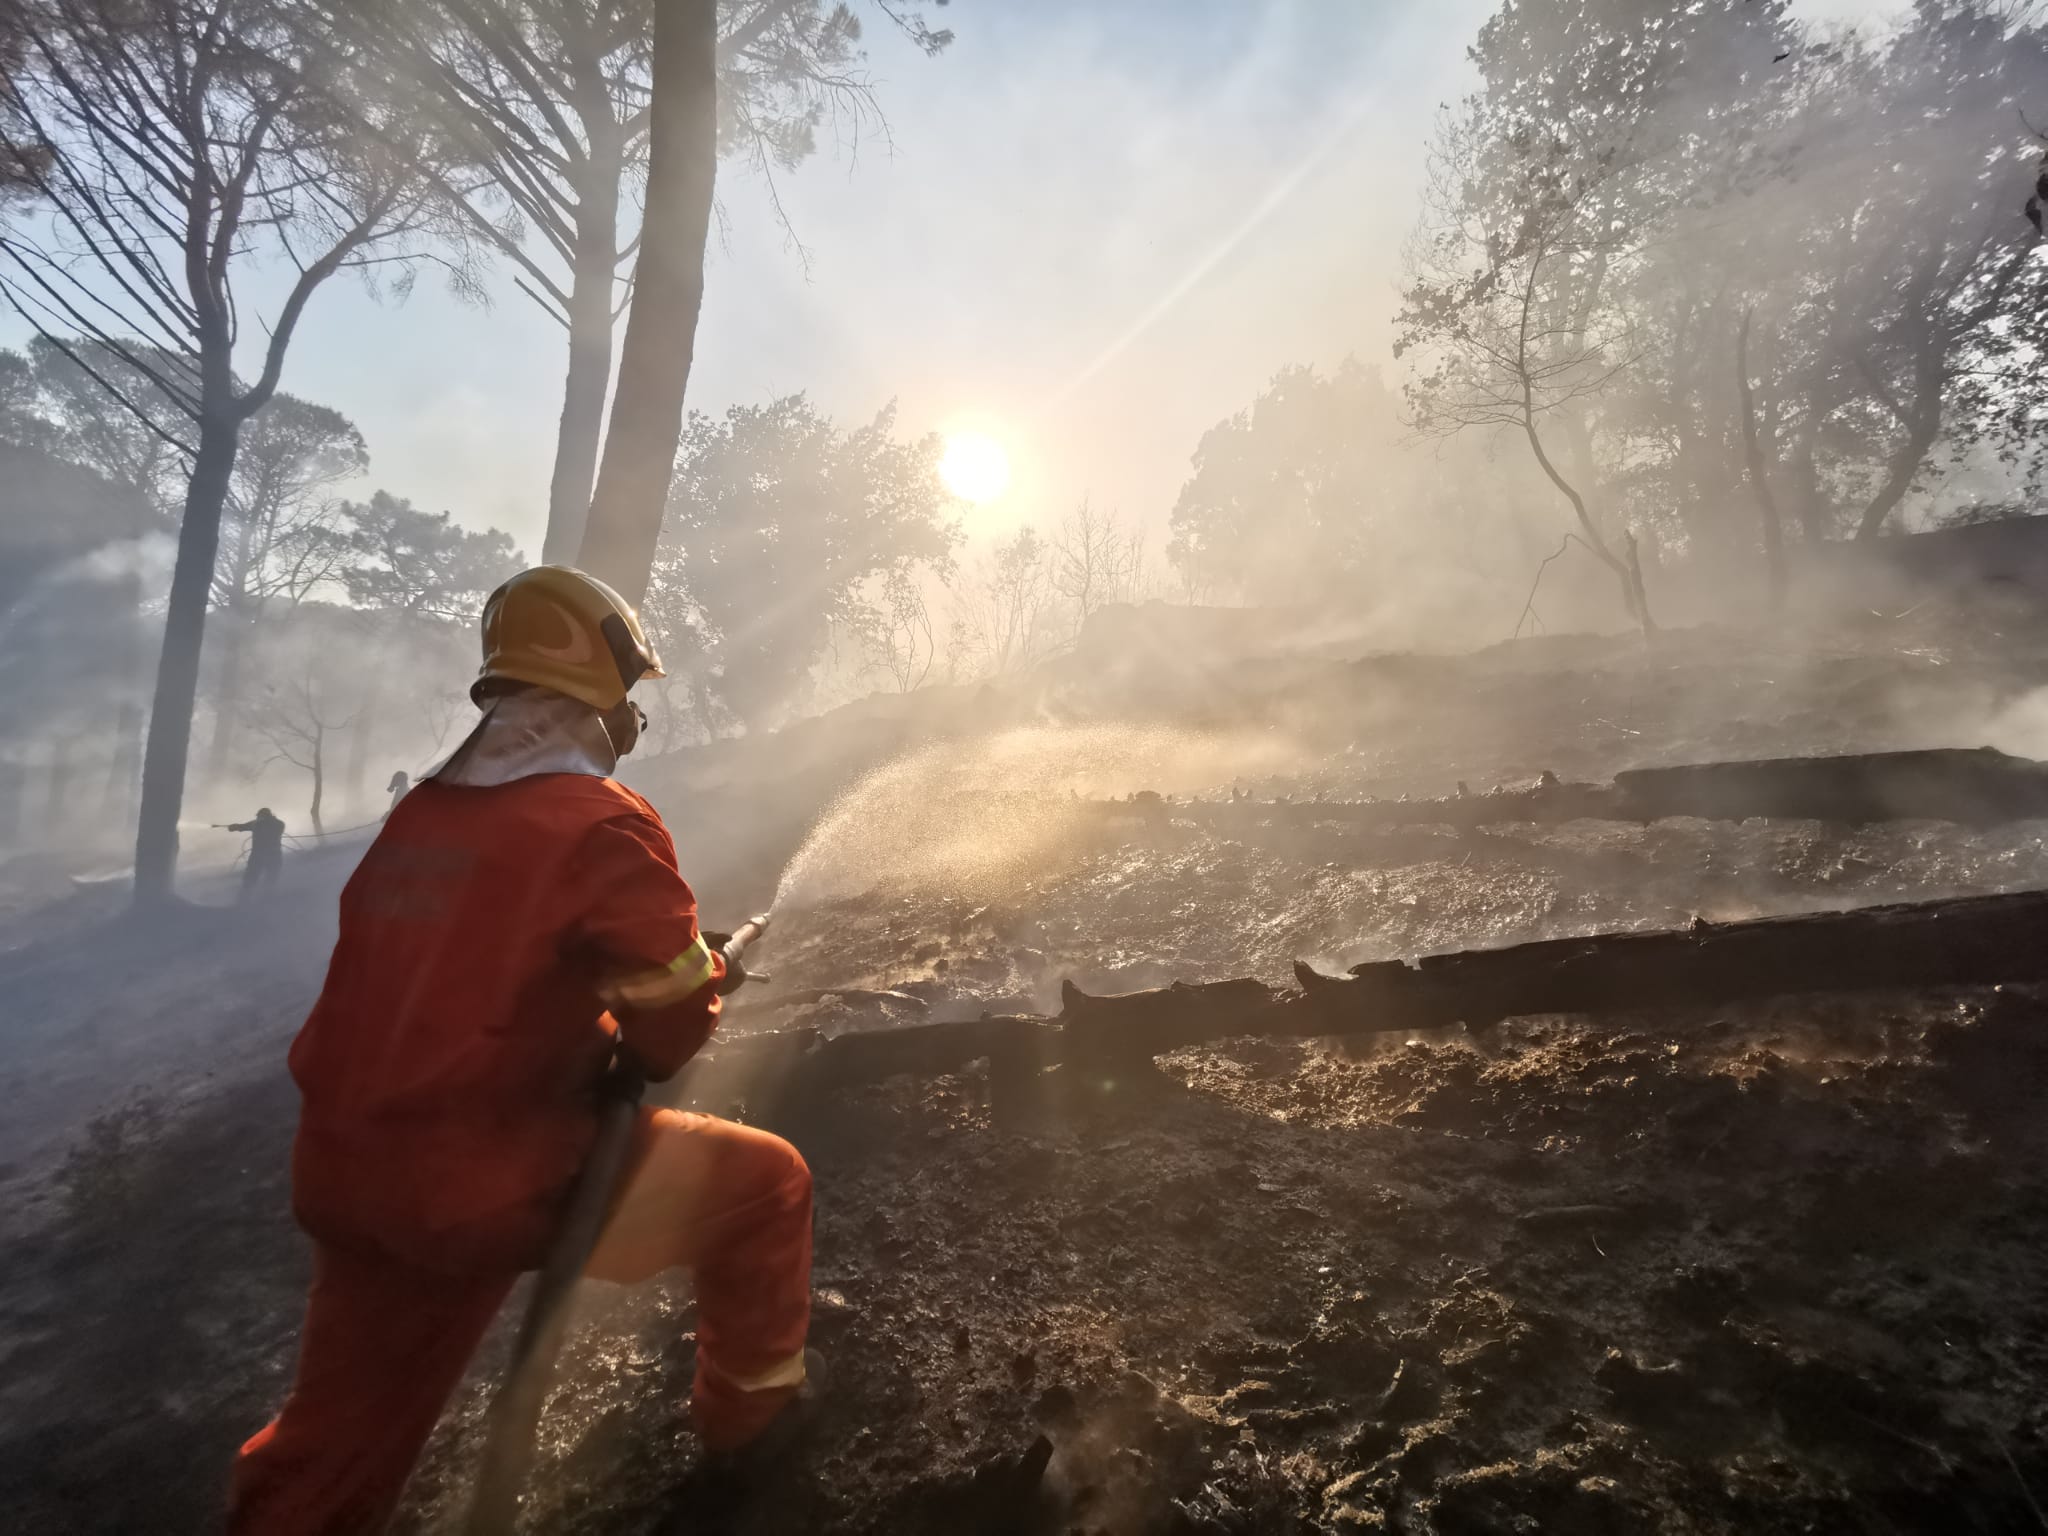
(974, 467)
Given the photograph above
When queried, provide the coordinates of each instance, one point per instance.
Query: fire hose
(515, 1414)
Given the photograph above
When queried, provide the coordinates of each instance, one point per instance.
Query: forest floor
(1741, 1270)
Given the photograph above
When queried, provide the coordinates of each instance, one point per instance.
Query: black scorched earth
(1755, 1266)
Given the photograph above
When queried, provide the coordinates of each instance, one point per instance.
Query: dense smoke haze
(1379, 665)
(1230, 362)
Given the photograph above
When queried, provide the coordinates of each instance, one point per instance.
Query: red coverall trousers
(384, 1343)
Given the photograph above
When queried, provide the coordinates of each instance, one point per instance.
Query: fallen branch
(1976, 787)
(1980, 787)
(1967, 941)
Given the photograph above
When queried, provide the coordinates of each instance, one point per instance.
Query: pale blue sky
(1095, 230)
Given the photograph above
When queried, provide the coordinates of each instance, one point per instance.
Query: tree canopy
(1709, 262)
(783, 532)
(407, 561)
(1285, 493)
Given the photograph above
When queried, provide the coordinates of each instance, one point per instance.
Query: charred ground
(1750, 1270)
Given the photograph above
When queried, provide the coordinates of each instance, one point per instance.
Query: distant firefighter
(401, 781)
(266, 851)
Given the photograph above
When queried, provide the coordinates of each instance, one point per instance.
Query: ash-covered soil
(1774, 1274)
(1752, 1270)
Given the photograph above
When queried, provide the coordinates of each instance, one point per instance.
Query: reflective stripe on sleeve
(689, 972)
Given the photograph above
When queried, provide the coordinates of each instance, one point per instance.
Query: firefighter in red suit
(519, 917)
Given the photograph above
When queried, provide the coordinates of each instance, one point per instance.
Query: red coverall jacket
(449, 1067)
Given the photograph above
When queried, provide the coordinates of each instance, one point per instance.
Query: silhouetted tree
(91, 427)
(1284, 492)
(1006, 605)
(411, 571)
(900, 633)
(297, 719)
(22, 419)
(403, 560)
(284, 534)
(624, 524)
(1757, 463)
(1954, 298)
(178, 142)
(550, 100)
(686, 118)
(1708, 258)
(1096, 561)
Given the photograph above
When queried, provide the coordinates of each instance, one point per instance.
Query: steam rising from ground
(978, 817)
(2021, 728)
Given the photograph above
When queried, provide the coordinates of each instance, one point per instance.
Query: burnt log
(1980, 787)
(1975, 787)
(1120, 1030)
(1961, 942)
(1966, 941)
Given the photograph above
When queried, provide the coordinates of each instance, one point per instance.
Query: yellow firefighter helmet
(556, 628)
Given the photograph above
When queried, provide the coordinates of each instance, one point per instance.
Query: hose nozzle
(746, 934)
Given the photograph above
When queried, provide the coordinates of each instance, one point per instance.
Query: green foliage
(408, 561)
(22, 422)
(785, 532)
(786, 68)
(91, 405)
(1285, 494)
(282, 535)
(1005, 613)
(1634, 185)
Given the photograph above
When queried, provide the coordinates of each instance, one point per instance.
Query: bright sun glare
(974, 467)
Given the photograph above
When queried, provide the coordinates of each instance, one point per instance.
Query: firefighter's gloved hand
(735, 970)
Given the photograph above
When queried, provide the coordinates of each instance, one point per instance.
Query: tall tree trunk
(661, 332)
(1942, 334)
(177, 668)
(319, 773)
(1628, 566)
(707, 707)
(1905, 465)
(1759, 472)
(1628, 573)
(1638, 594)
(125, 760)
(590, 350)
(1816, 517)
(1922, 423)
